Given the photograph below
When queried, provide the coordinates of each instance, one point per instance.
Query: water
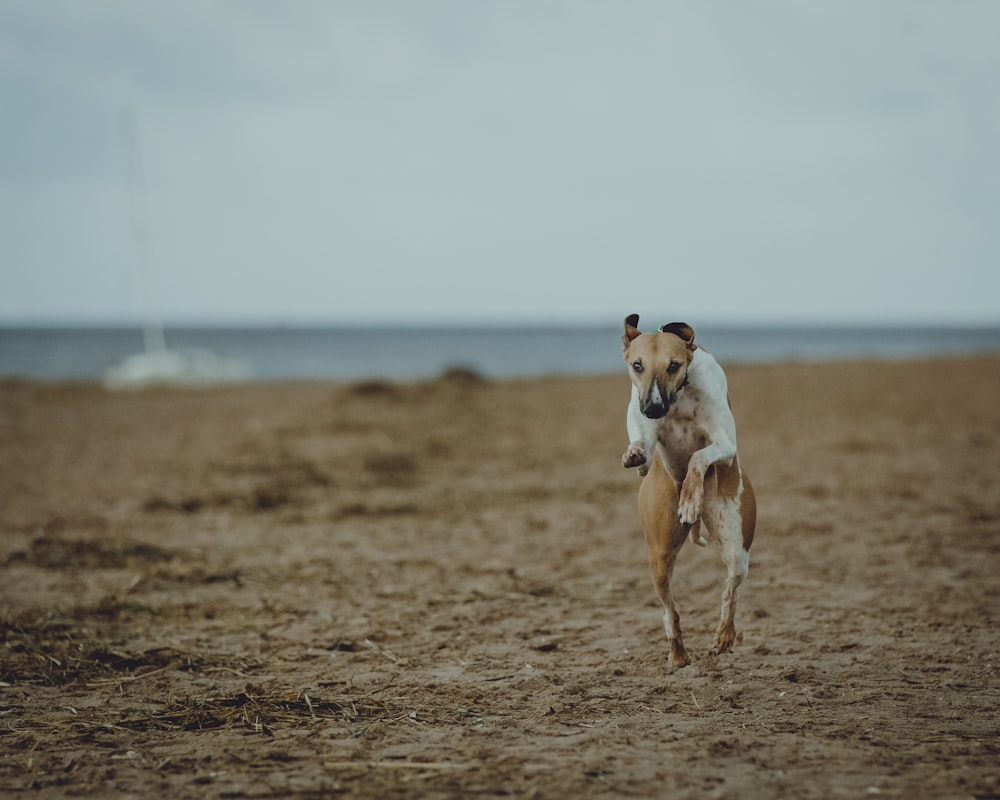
(402, 354)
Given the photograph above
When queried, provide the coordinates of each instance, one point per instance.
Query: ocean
(278, 353)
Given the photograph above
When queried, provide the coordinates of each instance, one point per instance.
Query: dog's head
(658, 363)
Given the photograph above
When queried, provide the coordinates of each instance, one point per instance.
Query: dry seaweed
(54, 552)
(261, 711)
(52, 650)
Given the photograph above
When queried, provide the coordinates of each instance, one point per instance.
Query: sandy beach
(439, 589)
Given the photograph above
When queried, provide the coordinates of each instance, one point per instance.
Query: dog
(682, 439)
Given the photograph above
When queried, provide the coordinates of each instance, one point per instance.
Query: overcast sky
(488, 160)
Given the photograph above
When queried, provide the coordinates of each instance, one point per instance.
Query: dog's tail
(694, 534)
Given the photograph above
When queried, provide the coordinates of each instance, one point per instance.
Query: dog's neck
(692, 371)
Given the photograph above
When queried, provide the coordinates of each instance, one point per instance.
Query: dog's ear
(631, 329)
(681, 330)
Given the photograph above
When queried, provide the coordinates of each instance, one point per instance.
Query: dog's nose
(655, 410)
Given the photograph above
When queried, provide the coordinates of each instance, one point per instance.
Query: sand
(439, 589)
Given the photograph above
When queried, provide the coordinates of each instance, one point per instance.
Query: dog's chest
(680, 432)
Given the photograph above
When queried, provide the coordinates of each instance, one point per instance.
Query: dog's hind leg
(665, 536)
(737, 562)
(661, 565)
(732, 518)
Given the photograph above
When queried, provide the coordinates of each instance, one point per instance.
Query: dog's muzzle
(655, 410)
(657, 404)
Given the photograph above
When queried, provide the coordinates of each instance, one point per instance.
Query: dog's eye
(673, 366)
(637, 366)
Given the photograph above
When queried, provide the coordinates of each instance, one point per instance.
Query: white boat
(196, 367)
(158, 365)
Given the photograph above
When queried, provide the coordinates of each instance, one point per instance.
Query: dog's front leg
(641, 434)
(693, 489)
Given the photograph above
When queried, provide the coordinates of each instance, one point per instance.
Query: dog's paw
(635, 456)
(724, 638)
(689, 515)
(696, 536)
(689, 505)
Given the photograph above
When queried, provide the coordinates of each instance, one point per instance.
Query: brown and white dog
(682, 437)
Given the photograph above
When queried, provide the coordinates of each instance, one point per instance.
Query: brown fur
(665, 535)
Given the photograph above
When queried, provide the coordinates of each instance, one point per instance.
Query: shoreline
(470, 373)
(352, 355)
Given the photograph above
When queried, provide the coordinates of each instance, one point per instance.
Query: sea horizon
(416, 350)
